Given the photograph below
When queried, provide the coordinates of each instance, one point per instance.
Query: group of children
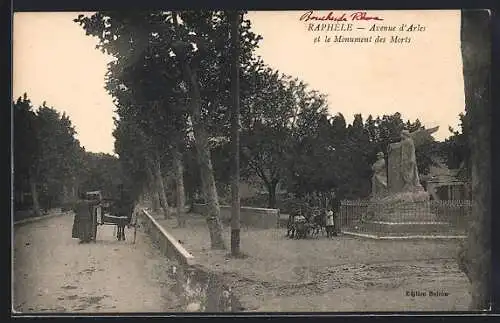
(329, 222)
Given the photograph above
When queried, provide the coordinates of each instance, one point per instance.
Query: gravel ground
(54, 273)
(341, 274)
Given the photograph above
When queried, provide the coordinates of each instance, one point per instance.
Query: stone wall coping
(247, 208)
(185, 255)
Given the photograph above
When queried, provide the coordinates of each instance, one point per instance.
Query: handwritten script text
(360, 15)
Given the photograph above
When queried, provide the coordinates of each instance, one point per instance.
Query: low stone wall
(165, 242)
(200, 289)
(261, 218)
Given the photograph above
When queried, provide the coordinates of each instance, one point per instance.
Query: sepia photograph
(174, 161)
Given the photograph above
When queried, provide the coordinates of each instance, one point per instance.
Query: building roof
(440, 173)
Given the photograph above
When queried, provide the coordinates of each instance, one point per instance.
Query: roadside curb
(190, 270)
(423, 237)
(166, 242)
(39, 218)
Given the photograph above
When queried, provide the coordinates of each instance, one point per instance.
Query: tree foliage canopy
(49, 159)
(288, 135)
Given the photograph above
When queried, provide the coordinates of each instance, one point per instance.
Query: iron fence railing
(440, 216)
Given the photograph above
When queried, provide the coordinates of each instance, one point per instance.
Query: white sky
(55, 62)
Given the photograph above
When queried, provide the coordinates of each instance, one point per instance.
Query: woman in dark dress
(83, 223)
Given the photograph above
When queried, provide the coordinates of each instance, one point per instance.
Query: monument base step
(404, 236)
(406, 216)
(406, 227)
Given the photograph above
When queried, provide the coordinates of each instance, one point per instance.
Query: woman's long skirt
(83, 225)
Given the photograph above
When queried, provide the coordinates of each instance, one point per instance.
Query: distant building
(443, 183)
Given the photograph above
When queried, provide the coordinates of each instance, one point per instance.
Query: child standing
(329, 224)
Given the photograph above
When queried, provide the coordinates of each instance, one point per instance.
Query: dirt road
(340, 274)
(54, 273)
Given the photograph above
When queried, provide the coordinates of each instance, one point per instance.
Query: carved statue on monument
(405, 199)
(407, 179)
(379, 178)
(403, 172)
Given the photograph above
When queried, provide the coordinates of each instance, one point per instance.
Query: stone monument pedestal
(402, 207)
(403, 214)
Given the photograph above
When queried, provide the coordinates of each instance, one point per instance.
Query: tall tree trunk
(179, 183)
(140, 198)
(208, 182)
(153, 188)
(145, 198)
(202, 146)
(161, 189)
(156, 201)
(205, 164)
(475, 36)
(235, 124)
(34, 196)
(65, 194)
(271, 191)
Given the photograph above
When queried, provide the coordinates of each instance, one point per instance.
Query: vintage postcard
(251, 161)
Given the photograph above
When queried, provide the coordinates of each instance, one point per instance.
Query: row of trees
(47, 157)
(50, 166)
(171, 84)
(328, 155)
